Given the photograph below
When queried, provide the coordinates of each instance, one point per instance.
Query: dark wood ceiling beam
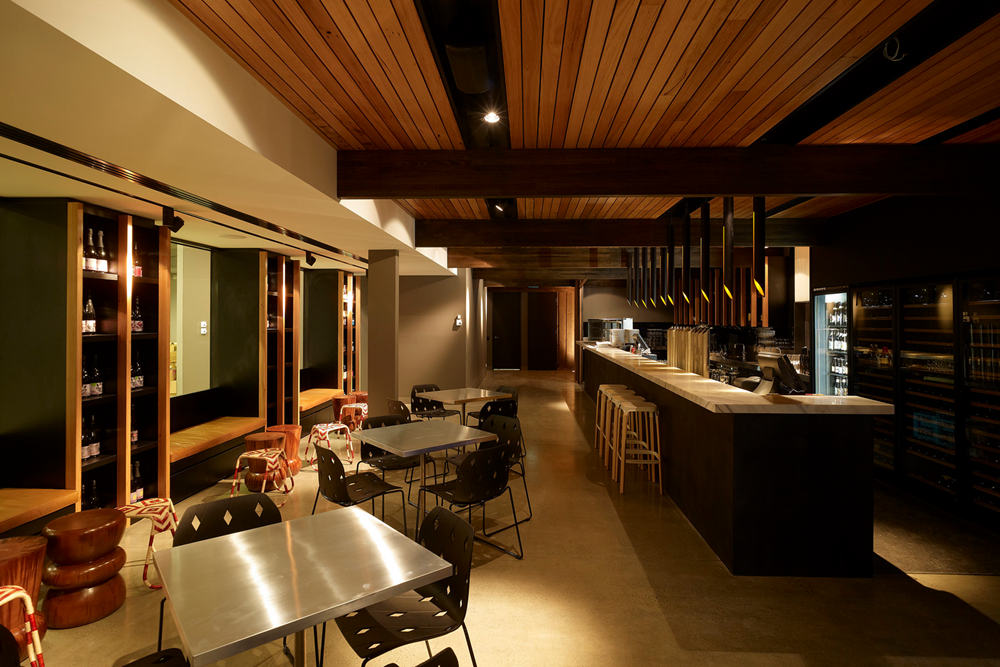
(884, 169)
(546, 276)
(781, 232)
(579, 263)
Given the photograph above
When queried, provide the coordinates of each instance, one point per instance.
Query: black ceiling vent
(465, 44)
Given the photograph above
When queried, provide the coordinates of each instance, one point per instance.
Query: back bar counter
(777, 485)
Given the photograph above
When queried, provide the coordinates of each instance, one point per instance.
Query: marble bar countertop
(723, 398)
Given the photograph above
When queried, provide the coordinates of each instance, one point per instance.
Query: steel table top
(232, 593)
(463, 395)
(423, 437)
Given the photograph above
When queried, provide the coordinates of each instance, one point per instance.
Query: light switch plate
(204, 330)
(204, 324)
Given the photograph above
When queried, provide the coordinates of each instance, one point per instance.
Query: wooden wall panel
(960, 82)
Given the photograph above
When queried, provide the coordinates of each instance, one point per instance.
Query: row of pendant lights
(651, 272)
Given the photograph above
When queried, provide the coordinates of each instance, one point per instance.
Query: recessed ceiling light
(498, 207)
(231, 236)
(491, 117)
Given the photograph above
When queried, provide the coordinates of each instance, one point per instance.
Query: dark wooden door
(506, 330)
(542, 343)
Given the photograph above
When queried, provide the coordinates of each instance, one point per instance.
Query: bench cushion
(311, 398)
(195, 439)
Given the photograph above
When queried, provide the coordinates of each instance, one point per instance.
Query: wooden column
(296, 326)
(163, 364)
(686, 290)
(74, 348)
(705, 290)
(123, 440)
(759, 280)
(728, 235)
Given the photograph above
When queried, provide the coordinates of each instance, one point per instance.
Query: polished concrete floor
(611, 579)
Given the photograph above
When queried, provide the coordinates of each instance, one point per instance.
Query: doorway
(542, 331)
(506, 330)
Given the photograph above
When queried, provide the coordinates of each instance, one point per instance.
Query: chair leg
(500, 530)
(315, 502)
(159, 636)
(469, 642)
(497, 546)
(429, 654)
(402, 501)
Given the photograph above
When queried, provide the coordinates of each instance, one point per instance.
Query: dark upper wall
(908, 237)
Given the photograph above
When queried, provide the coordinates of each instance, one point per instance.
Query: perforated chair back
(504, 406)
(225, 517)
(506, 389)
(421, 404)
(506, 429)
(398, 408)
(483, 474)
(450, 537)
(332, 478)
(371, 451)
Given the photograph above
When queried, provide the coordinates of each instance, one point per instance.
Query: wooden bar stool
(639, 440)
(602, 405)
(612, 419)
(606, 418)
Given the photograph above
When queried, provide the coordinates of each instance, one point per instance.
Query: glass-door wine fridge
(831, 324)
(873, 371)
(981, 340)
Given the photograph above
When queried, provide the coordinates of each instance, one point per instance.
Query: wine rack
(927, 380)
(874, 372)
(981, 343)
(281, 296)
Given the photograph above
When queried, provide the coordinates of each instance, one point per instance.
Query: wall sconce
(458, 321)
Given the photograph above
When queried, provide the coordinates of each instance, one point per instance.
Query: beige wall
(192, 305)
(431, 348)
(601, 302)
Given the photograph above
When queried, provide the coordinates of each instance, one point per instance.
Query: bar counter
(777, 485)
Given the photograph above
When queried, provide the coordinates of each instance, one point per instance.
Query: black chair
(9, 656)
(501, 406)
(508, 432)
(445, 658)
(503, 389)
(382, 460)
(425, 407)
(337, 487)
(172, 657)
(399, 408)
(480, 477)
(428, 612)
(245, 513)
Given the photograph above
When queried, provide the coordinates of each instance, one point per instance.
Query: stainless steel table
(232, 593)
(463, 396)
(422, 438)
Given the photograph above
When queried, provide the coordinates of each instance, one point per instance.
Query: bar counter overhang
(776, 485)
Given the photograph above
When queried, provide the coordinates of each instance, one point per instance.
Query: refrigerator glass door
(830, 319)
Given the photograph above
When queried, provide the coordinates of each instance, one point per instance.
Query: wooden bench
(202, 454)
(20, 509)
(202, 437)
(316, 407)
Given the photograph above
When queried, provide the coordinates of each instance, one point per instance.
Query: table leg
(463, 415)
(420, 498)
(300, 648)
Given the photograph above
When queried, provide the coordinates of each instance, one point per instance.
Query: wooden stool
(293, 436)
(338, 403)
(609, 421)
(353, 415)
(21, 561)
(83, 572)
(601, 406)
(8, 594)
(274, 462)
(256, 477)
(162, 517)
(360, 397)
(639, 440)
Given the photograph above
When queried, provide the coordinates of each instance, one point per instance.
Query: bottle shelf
(887, 466)
(937, 410)
(99, 338)
(98, 461)
(985, 490)
(97, 400)
(987, 505)
(144, 280)
(100, 275)
(922, 443)
(144, 335)
(930, 483)
(143, 446)
(143, 391)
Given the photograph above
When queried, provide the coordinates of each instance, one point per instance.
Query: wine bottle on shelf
(89, 316)
(95, 437)
(85, 378)
(136, 316)
(92, 501)
(96, 381)
(89, 252)
(137, 377)
(136, 264)
(134, 435)
(84, 441)
(137, 492)
(102, 254)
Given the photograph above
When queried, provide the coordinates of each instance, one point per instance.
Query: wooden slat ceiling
(986, 134)
(594, 207)
(959, 83)
(817, 207)
(445, 209)
(627, 73)
(361, 74)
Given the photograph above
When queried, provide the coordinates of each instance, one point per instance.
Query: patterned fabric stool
(162, 517)
(257, 478)
(320, 435)
(275, 462)
(11, 593)
(22, 561)
(293, 436)
(353, 415)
